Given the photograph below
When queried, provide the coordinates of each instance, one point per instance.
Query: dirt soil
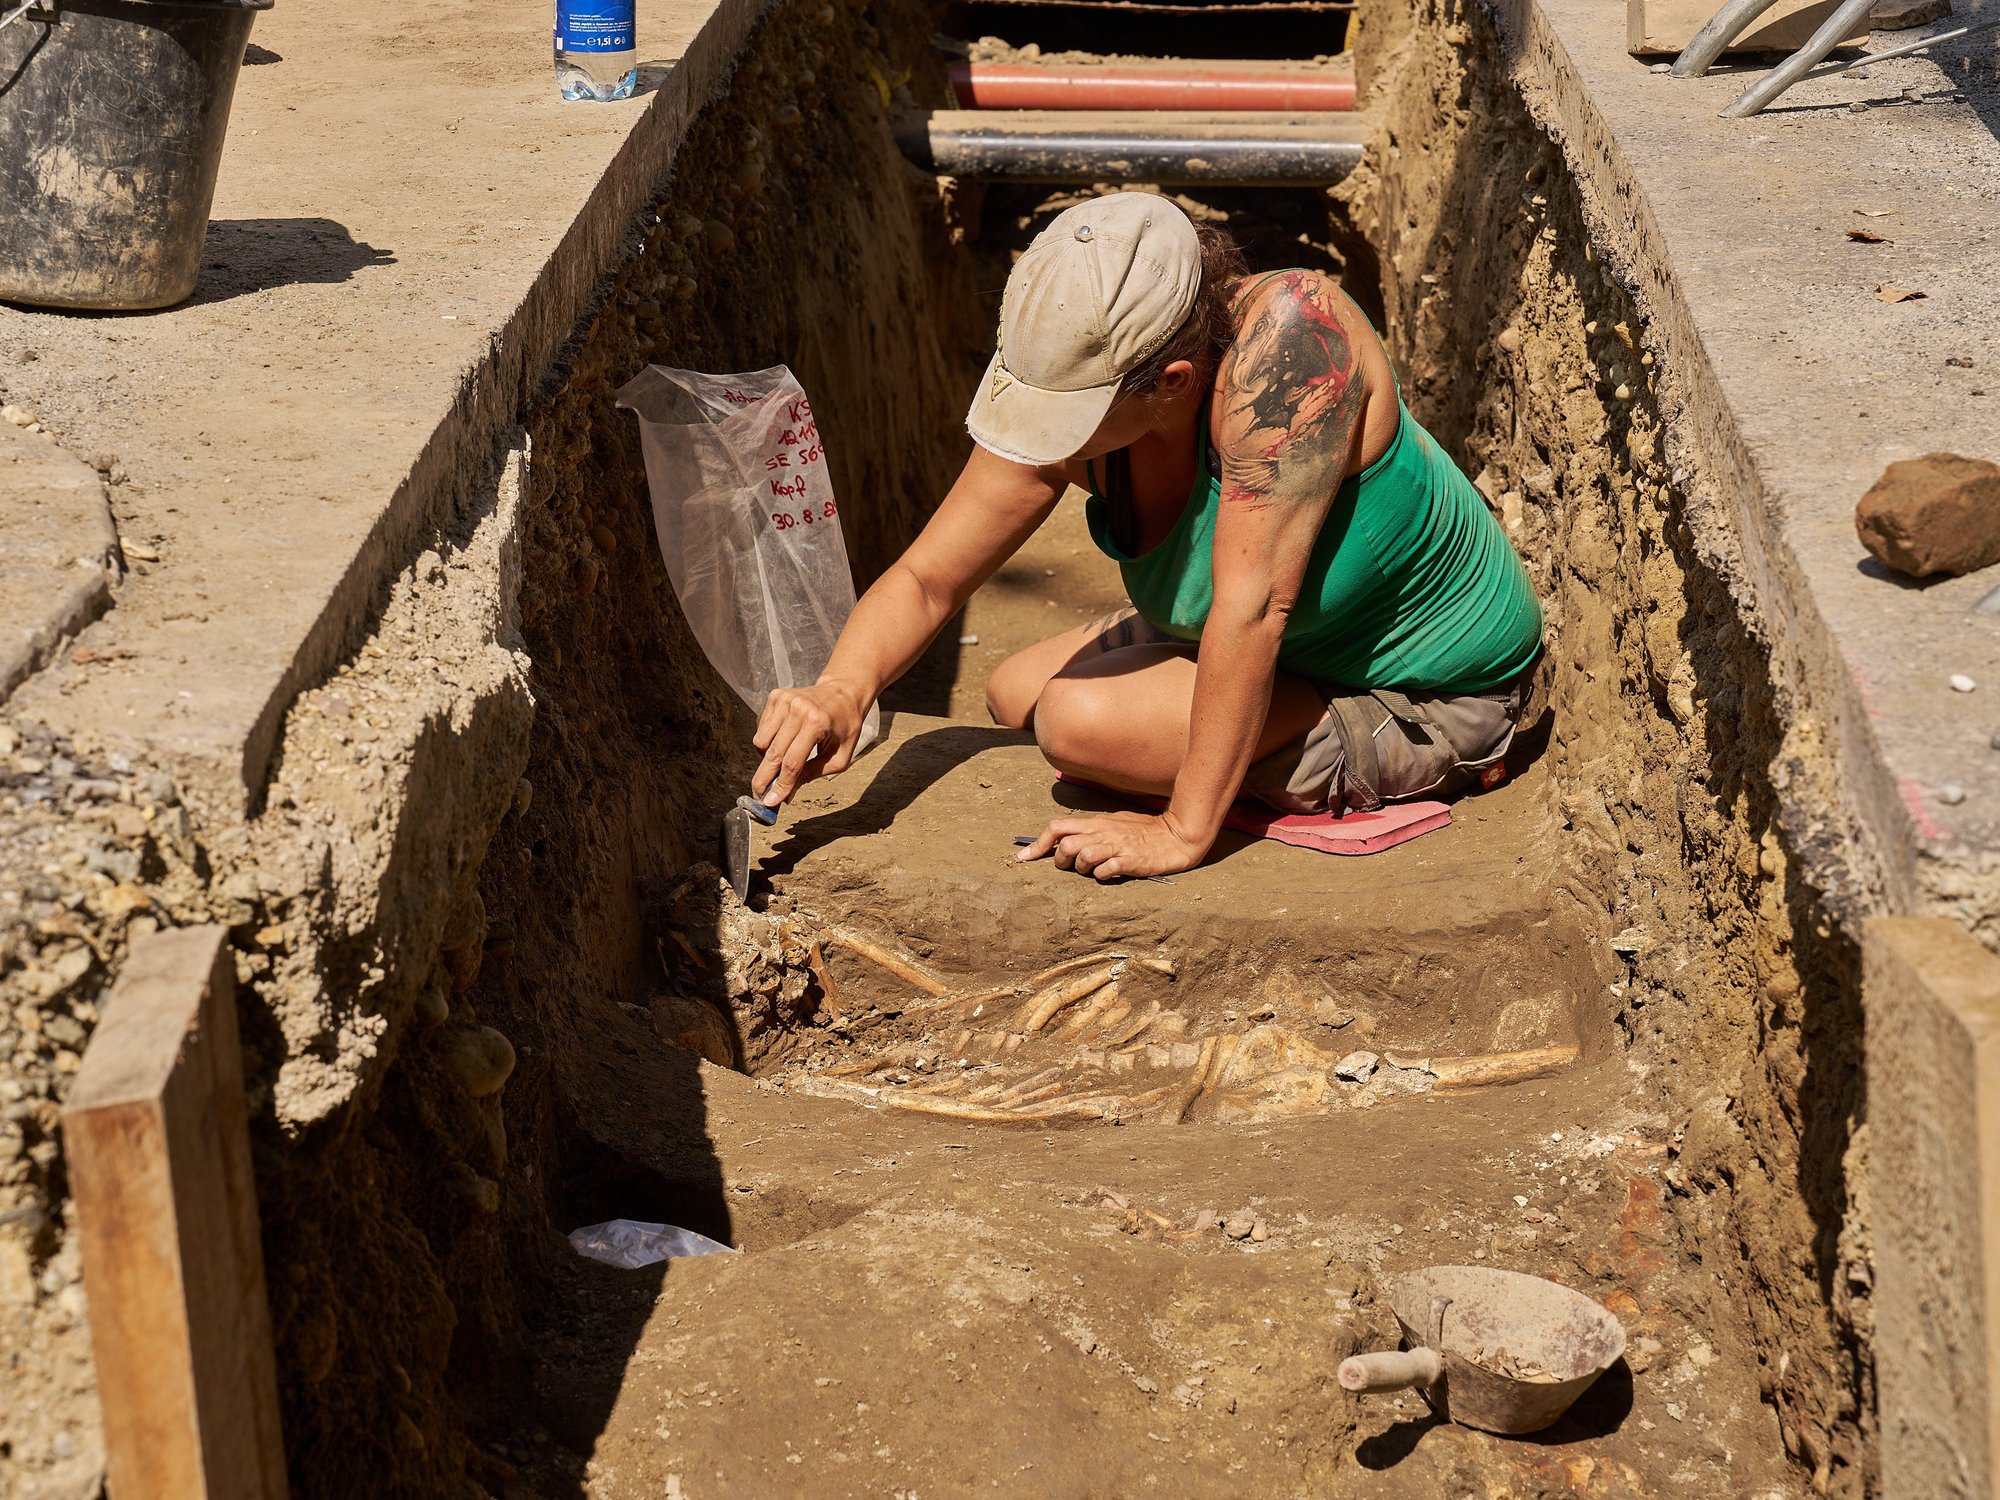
(940, 1305)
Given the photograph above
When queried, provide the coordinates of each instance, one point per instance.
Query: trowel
(736, 825)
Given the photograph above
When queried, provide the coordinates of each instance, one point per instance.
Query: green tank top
(1412, 583)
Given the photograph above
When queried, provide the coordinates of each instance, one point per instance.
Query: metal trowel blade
(736, 851)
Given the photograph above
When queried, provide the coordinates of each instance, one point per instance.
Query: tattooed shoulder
(1289, 392)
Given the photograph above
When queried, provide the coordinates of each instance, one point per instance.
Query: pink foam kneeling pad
(1352, 833)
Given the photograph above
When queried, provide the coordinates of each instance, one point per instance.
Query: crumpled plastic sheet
(632, 1243)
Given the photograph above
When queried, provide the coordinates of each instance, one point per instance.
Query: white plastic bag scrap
(748, 523)
(632, 1244)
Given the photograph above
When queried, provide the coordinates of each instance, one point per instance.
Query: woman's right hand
(826, 717)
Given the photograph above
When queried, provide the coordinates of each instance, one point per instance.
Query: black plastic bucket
(112, 114)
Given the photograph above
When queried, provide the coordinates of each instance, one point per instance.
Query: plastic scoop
(1491, 1349)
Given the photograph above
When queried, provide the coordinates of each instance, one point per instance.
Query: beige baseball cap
(1096, 294)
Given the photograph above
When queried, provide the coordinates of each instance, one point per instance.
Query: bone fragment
(1032, 1081)
(829, 992)
(857, 1067)
(1087, 1017)
(1176, 1108)
(1499, 1067)
(901, 965)
(956, 1109)
(1114, 1015)
(1158, 965)
(1034, 1096)
(978, 999)
(1044, 1005)
(1070, 966)
(1132, 1029)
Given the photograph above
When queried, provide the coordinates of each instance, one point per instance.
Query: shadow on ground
(243, 256)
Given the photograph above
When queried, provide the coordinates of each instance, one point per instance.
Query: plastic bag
(748, 524)
(631, 1243)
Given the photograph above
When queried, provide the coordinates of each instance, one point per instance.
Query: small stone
(1259, 1232)
(1995, 741)
(603, 538)
(1356, 1067)
(1960, 683)
(968, 640)
(1958, 361)
(1239, 1227)
(1642, 1352)
(1857, 108)
(479, 1193)
(1935, 514)
(1951, 795)
(1661, 68)
(480, 1059)
(524, 796)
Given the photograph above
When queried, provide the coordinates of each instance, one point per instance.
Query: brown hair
(1210, 327)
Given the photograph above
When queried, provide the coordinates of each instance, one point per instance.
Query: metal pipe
(1215, 86)
(1837, 28)
(1169, 149)
(1724, 27)
(1908, 47)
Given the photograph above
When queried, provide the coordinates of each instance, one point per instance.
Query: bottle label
(594, 25)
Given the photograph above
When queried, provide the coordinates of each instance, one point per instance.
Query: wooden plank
(1930, 999)
(1663, 27)
(157, 1138)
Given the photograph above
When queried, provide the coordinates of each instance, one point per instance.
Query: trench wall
(1531, 364)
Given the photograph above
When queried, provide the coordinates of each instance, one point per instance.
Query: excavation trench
(1589, 1001)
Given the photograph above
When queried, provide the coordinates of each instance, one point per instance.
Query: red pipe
(1183, 86)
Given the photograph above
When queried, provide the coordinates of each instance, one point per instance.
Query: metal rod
(1837, 28)
(1724, 27)
(1908, 47)
(1183, 86)
(1164, 148)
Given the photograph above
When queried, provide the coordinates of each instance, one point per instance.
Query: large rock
(1935, 514)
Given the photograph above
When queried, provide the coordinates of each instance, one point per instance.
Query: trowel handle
(768, 816)
(1391, 1370)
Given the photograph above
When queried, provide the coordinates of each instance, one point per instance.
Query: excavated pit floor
(1054, 1306)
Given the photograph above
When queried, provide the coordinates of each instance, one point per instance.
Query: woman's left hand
(1119, 845)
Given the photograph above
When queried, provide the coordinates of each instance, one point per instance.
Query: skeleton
(1095, 1038)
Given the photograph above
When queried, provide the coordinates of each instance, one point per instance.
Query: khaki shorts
(1411, 745)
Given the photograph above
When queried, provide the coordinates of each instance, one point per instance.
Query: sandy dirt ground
(928, 1305)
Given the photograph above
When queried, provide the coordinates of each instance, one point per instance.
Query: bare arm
(1289, 401)
(993, 508)
(1286, 422)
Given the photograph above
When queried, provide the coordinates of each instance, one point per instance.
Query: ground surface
(931, 1306)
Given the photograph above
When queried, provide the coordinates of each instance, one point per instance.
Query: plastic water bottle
(596, 49)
